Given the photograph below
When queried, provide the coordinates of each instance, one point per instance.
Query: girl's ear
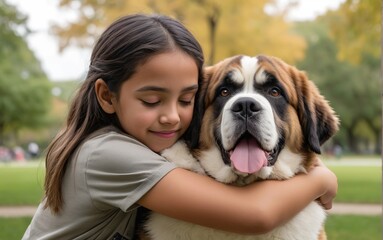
(104, 96)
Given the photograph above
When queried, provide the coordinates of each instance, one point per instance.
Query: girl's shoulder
(116, 149)
(111, 136)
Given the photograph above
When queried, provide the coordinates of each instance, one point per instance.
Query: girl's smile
(166, 134)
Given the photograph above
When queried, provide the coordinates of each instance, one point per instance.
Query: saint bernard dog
(262, 119)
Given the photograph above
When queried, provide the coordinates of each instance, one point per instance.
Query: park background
(340, 49)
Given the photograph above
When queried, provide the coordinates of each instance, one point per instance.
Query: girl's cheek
(189, 116)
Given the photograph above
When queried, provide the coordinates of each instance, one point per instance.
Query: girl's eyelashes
(187, 99)
(153, 101)
(149, 100)
(186, 102)
(153, 104)
(150, 103)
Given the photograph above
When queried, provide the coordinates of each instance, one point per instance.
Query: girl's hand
(330, 183)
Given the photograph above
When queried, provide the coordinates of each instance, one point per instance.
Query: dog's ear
(317, 118)
(193, 134)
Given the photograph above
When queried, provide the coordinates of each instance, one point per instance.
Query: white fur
(217, 169)
(288, 165)
(181, 156)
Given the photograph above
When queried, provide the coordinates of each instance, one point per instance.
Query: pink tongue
(248, 157)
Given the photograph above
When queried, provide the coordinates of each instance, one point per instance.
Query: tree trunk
(1, 134)
(212, 20)
(377, 134)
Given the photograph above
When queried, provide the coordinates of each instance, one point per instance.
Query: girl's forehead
(166, 70)
(175, 53)
(168, 62)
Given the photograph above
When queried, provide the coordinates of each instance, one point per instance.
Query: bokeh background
(336, 42)
(45, 47)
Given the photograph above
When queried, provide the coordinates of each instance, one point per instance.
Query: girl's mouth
(166, 134)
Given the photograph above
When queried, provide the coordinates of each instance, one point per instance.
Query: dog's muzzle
(246, 108)
(247, 156)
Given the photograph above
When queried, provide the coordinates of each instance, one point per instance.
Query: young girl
(138, 99)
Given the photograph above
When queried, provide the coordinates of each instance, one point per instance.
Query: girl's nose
(170, 115)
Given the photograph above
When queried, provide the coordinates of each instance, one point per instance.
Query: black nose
(246, 107)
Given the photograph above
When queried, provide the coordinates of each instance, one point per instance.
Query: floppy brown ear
(193, 134)
(317, 118)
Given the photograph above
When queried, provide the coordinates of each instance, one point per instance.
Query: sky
(72, 63)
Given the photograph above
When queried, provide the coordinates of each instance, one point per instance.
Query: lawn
(346, 227)
(351, 227)
(21, 184)
(13, 228)
(358, 184)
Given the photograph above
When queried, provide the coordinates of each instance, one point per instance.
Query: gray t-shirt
(104, 179)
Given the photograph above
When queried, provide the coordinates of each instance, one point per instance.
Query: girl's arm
(253, 209)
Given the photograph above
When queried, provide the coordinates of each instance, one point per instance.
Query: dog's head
(260, 113)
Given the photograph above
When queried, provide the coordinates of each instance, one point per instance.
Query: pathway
(338, 209)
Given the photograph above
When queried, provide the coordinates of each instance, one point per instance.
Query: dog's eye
(275, 92)
(225, 92)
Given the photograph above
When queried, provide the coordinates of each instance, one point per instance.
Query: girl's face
(155, 104)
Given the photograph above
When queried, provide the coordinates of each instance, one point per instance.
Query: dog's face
(262, 118)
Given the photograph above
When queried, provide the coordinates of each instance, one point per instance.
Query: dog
(262, 119)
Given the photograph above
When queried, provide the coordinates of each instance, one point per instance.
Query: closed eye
(187, 99)
(150, 104)
(186, 103)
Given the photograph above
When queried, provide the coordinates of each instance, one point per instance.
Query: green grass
(338, 227)
(358, 184)
(21, 185)
(13, 228)
(351, 227)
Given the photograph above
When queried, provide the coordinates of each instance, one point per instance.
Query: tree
(351, 89)
(223, 27)
(24, 88)
(356, 28)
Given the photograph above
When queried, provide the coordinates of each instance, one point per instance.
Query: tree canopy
(356, 28)
(353, 90)
(223, 27)
(340, 51)
(24, 88)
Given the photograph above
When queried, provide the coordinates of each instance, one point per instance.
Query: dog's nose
(246, 107)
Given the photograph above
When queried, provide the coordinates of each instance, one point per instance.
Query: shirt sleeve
(120, 170)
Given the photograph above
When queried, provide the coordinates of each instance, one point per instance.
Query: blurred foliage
(217, 24)
(66, 89)
(24, 87)
(356, 28)
(353, 90)
(63, 92)
(339, 50)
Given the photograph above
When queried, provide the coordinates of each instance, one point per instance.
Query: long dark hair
(125, 44)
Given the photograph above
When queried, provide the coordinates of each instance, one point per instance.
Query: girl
(138, 99)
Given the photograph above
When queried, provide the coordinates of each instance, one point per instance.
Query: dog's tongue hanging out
(248, 157)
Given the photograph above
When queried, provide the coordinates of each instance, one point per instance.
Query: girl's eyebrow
(152, 88)
(191, 88)
(161, 89)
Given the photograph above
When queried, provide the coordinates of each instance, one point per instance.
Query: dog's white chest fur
(305, 226)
